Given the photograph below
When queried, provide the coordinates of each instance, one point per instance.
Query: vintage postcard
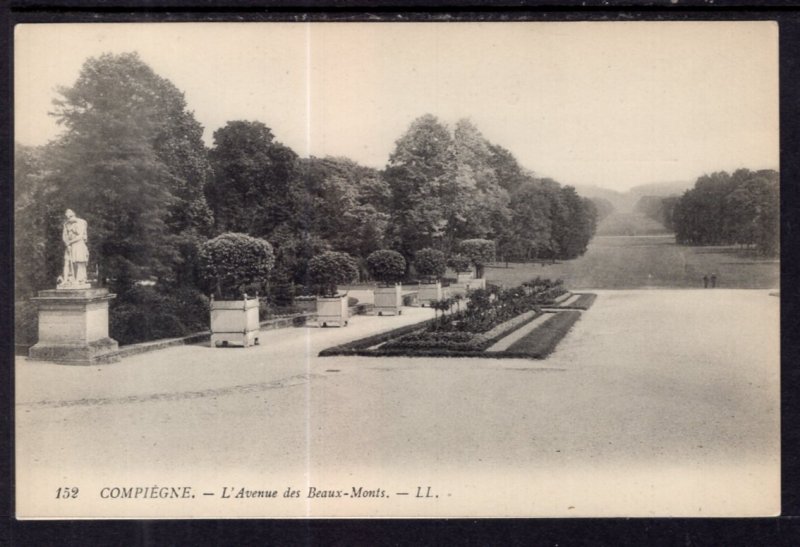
(462, 269)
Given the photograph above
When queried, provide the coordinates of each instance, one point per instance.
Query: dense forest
(741, 208)
(131, 161)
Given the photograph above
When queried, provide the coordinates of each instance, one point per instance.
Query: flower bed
(490, 316)
(428, 340)
(547, 291)
(431, 338)
(537, 344)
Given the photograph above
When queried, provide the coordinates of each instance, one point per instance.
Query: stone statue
(76, 253)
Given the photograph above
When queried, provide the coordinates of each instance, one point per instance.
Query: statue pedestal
(73, 327)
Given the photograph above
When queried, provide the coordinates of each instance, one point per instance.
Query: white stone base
(429, 292)
(73, 327)
(234, 322)
(458, 288)
(332, 311)
(388, 300)
(476, 283)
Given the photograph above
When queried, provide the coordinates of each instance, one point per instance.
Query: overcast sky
(609, 104)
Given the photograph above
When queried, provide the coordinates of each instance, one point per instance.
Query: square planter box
(429, 292)
(234, 322)
(464, 277)
(411, 299)
(388, 300)
(305, 303)
(473, 284)
(457, 288)
(332, 311)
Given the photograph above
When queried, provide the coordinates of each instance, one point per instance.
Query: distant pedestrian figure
(705, 281)
(713, 280)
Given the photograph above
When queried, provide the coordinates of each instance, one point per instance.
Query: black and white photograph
(396, 269)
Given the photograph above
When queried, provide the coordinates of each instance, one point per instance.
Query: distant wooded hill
(625, 202)
(739, 208)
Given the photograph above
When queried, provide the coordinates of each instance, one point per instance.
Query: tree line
(741, 208)
(132, 162)
(658, 208)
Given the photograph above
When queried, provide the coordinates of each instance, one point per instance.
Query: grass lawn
(630, 224)
(639, 262)
(541, 341)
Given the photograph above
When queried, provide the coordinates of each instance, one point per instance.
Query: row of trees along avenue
(132, 162)
(730, 209)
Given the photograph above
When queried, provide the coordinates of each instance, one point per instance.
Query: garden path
(504, 343)
(656, 403)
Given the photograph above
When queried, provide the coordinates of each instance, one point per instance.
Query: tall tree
(347, 204)
(132, 163)
(722, 209)
(420, 175)
(254, 187)
(576, 223)
(510, 174)
(487, 201)
(531, 222)
(35, 257)
(448, 188)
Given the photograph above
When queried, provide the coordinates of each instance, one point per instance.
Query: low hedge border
(549, 300)
(356, 346)
(484, 340)
(583, 302)
(541, 342)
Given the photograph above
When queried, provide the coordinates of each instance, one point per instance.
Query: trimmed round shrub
(234, 263)
(479, 252)
(386, 266)
(430, 263)
(330, 269)
(459, 263)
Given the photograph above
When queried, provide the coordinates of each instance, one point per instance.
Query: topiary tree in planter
(431, 266)
(387, 267)
(326, 271)
(479, 251)
(461, 265)
(430, 263)
(234, 263)
(329, 269)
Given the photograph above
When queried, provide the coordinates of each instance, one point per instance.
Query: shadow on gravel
(291, 381)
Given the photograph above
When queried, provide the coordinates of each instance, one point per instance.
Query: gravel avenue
(658, 402)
